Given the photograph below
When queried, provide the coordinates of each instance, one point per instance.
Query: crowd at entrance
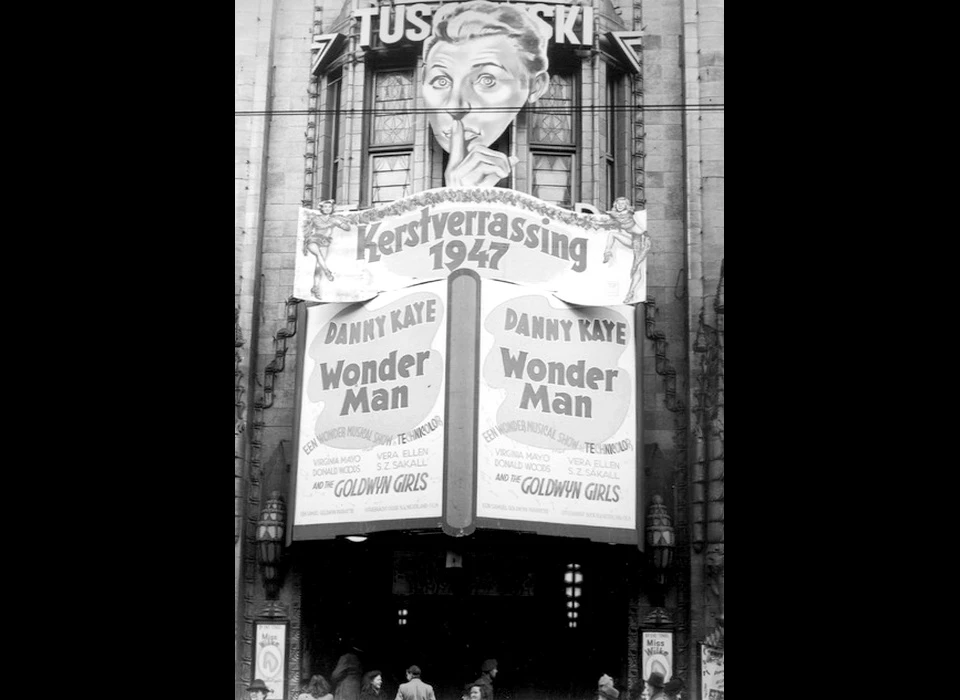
(350, 683)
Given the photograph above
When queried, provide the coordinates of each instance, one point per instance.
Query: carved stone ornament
(715, 639)
(658, 617)
(274, 609)
(713, 568)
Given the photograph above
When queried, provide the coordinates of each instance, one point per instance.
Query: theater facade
(479, 343)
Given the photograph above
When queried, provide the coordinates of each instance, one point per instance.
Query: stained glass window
(552, 119)
(553, 141)
(393, 103)
(390, 140)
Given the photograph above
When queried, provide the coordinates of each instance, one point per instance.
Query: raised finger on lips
(458, 146)
(476, 166)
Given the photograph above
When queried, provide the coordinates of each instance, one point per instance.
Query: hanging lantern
(660, 538)
(270, 532)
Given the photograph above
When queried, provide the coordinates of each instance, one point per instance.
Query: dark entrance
(446, 605)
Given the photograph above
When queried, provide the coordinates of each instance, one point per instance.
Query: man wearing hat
(488, 671)
(414, 688)
(258, 690)
(673, 688)
(655, 686)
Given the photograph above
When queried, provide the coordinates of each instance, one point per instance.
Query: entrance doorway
(446, 605)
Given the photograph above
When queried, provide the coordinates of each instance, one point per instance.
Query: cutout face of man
(482, 82)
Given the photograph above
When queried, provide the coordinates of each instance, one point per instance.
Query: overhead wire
(703, 107)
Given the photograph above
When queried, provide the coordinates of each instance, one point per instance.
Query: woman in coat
(370, 688)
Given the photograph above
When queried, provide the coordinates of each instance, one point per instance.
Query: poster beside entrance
(711, 673)
(656, 654)
(557, 412)
(270, 657)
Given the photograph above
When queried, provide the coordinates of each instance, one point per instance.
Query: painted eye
(486, 80)
(441, 82)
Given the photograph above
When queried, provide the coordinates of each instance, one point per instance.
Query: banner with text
(589, 259)
(557, 412)
(371, 410)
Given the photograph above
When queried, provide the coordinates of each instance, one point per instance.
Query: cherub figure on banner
(632, 234)
(317, 239)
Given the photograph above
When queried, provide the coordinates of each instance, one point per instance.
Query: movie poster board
(711, 673)
(584, 442)
(557, 416)
(371, 415)
(656, 654)
(270, 656)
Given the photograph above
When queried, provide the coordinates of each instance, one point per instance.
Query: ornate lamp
(657, 626)
(660, 541)
(270, 531)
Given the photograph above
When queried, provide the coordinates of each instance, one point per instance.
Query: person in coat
(346, 677)
(414, 688)
(488, 671)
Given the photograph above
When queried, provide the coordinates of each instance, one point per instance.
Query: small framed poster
(270, 656)
(656, 654)
(711, 673)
